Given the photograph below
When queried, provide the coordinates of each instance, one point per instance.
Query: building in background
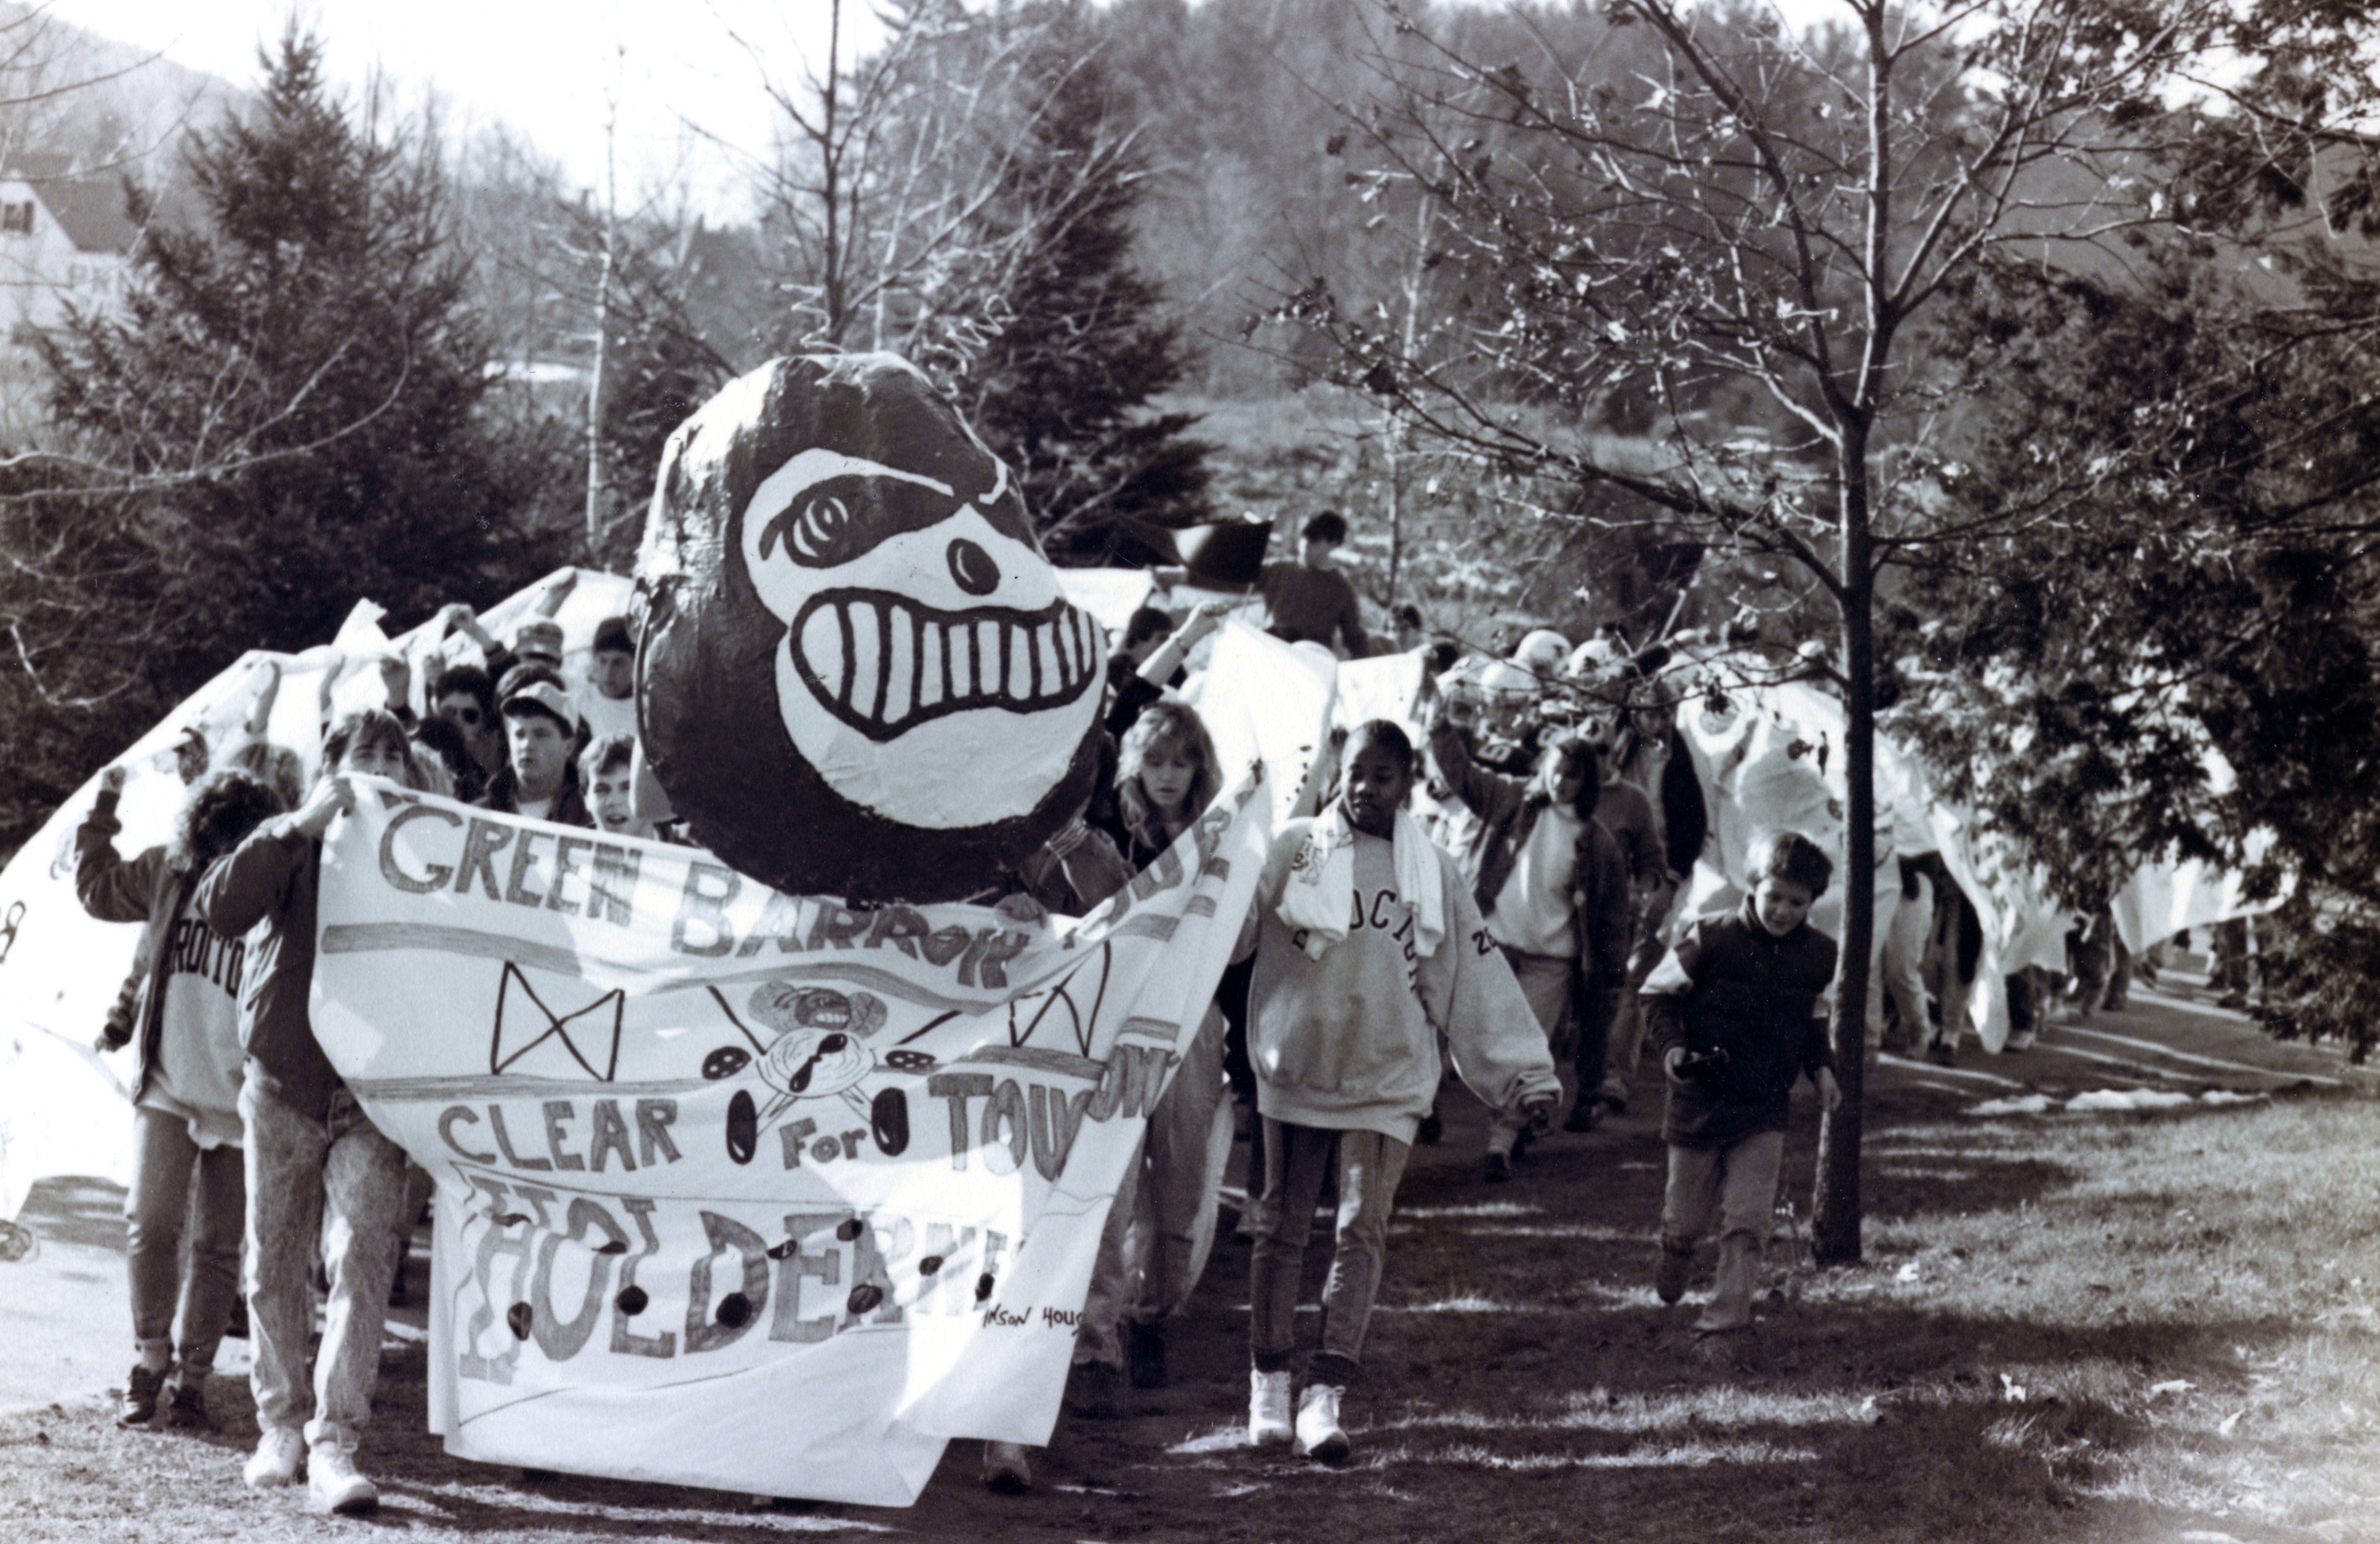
(65, 241)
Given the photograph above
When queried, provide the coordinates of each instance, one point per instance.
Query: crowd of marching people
(1493, 903)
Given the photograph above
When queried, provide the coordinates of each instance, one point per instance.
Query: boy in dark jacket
(321, 1179)
(1737, 1011)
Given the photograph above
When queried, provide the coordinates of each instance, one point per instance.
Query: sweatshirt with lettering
(155, 889)
(1349, 1041)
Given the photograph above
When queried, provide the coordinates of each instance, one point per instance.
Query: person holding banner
(1167, 774)
(187, 1154)
(320, 1173)
(1554, 887)
(1310, 598)
(465, 697)
(1367, 949)
(1150, 658)
(607, 774)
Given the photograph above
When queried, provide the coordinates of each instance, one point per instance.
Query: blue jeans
(1296, 1158)
(336, 1185)
(166, 1162)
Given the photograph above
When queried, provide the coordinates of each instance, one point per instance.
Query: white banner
(1774, 759)
(2161, 899)
(65, 1109)
(740, 1190)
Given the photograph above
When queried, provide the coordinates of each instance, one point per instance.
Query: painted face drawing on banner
(820, 1050)
(821, 1046)
(937, 693)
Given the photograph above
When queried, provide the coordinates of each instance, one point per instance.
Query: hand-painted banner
(65, 1109)
(742, 1190)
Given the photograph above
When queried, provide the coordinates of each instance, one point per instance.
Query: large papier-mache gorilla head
(858, 676)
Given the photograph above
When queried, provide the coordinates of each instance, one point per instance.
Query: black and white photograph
(1190, 770)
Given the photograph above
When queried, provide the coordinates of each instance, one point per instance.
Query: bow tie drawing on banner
(587, 1039)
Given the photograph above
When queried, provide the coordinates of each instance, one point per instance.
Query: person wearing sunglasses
(465, 697)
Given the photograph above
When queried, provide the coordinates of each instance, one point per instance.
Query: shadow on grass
(2037, 1349)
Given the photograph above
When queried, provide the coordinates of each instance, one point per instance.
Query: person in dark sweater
(539, 728)
(1737, 1011)
(320, 1176)
(1310, 600)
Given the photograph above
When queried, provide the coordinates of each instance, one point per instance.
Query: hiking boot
(236, 1329)
(334, 1483)
(1145, 1349)
(1499, 1168)
(186, 1402)
(1942, 1053)
(1318, 1436)
(1586, 1115)
(1269, 1408)
(141, 1391)
(1005, 1470)
(279, 1459)
(1426, 1134)
(1670, 1276)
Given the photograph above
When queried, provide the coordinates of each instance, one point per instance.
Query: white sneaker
(1267, 1408)
(332, 1476)
(279, 1459)
(1318, 1436)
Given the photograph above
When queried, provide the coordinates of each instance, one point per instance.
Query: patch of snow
(2128, 1099)
(1221, 1440)
(2028, 1104)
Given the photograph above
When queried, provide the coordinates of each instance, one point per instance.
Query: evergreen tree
(1077, 349)
(295, 386)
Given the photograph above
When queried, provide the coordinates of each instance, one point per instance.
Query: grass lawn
(2104, 1327)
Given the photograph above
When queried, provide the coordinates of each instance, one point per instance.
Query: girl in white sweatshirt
(1368, 946)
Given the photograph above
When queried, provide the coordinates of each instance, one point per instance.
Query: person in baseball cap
(542, 734)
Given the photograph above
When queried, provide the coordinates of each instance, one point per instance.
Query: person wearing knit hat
(539, 641)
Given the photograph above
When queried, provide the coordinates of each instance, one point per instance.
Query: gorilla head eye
(817, 532)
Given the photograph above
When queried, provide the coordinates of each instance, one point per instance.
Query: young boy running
(1367, 947)
(1737, 1011)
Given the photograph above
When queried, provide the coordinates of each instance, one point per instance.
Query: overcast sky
(546, 67)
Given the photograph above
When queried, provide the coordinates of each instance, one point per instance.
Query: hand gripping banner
(742, 1190)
